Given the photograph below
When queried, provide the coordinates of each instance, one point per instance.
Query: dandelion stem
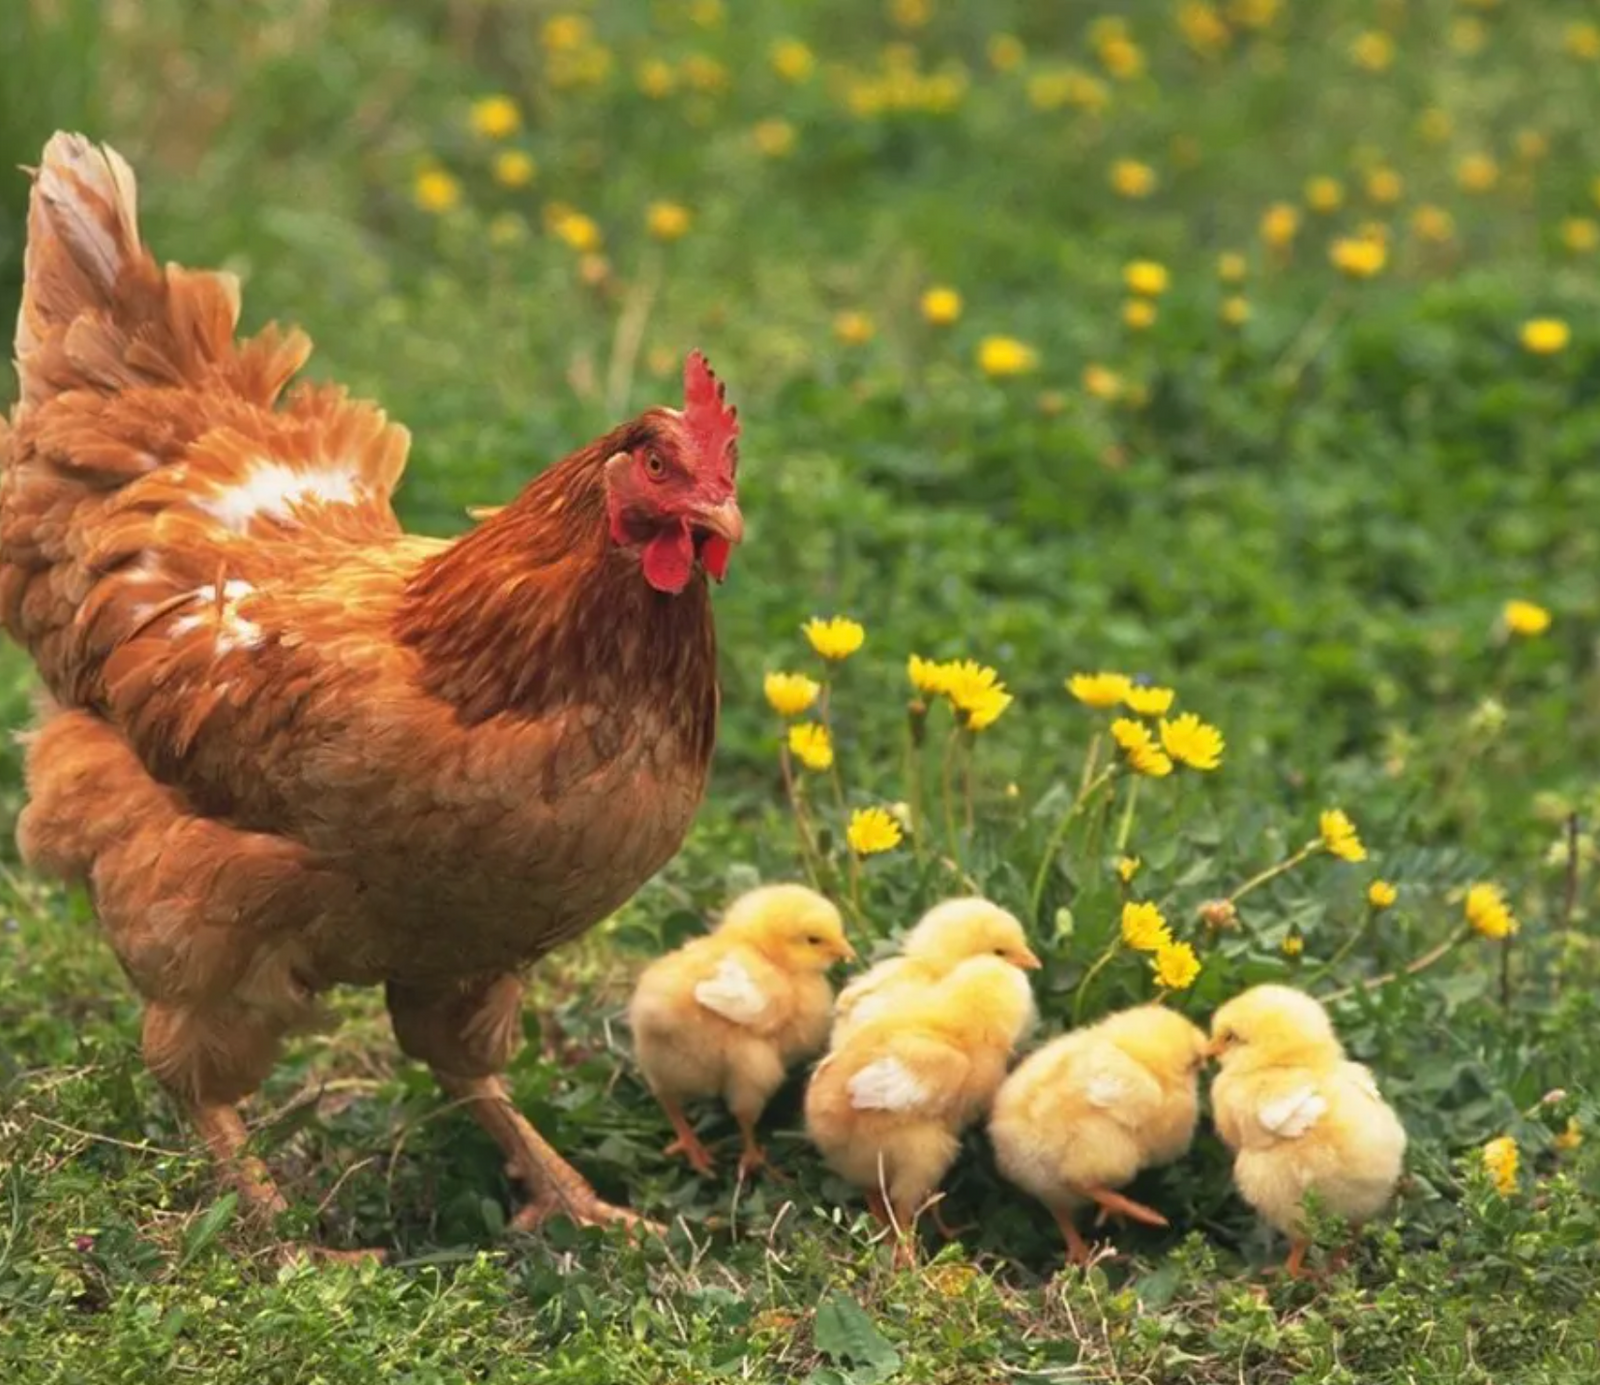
(801, 821)
(1422, 963)
(1349, 944)
(947, 790)
(1125, 827)
(914, 787)
(1273, 872)
(1100, 964)
(970, 747)
(1059, 832)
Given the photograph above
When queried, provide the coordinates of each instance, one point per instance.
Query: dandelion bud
(1554, 1097)
(1219, 914)
(917, 715)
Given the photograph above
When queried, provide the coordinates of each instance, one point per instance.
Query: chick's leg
(1078, 1249)
(687, 1142)
(1114, 1204)
(466, 1031)
(1295, 1265)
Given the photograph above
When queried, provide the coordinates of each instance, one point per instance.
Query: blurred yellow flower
(1477, 173)
(1148, 701)
(1339, 836)
(667, 220)
(835, 638)
(1324, 194)
(1143, 928)
(706, 14)
(1488, 912)
(1293, 945)
(1138, 314)
(1580, 234)
(1467, 35)
(1100, 382)
(1066, 86)
(810, 743)
(773, 138)
(1235, 311)
(1545, 336)
(1359, 257)
(1582, 41)
(1525, 618)
(495, 117)
(1122, 58)
(927, 676)
(1500, 1160)
(853, 328)
(872, 830)
(704, 73)
(1203, 28)
(1232, 267)
(910, 14)
(1130, 178)
(1192, 742)
(941, 306)
(1280, 223)
(1000, 356)
(792, 60)
(577, 230)
(1373, 50)
(1253, 14)
(1433, 224)
(1175, 966)
(1006, 52)
(565, 33)
(790, 693)
(1570, 1138)
(1384, 186)
(1434, 125)
(513, 168)
(656, 78)
(1100, 690)
(1146, 277)
(1139, 746)
(1381, 894)
(1532, 145)
(1127, 868)
(436, 191)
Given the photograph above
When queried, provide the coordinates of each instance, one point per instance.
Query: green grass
(1308, 526)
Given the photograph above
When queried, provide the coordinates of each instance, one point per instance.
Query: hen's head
(670, 491)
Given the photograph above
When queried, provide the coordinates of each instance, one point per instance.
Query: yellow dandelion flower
(1132, 179)
(1136, 742)
(1500, 1161)
(790, 693)
(1003, 356)
(985, 708)
(1477, 173)
(495, 117)
(1525, 618)
(836, 638)
(966, 681)
(1280, 223)
(1145, 277)
(1324, 195)
(1101, 383)
(773, 139)
(1381, 894)
(1385, 186)
(872, 830)
(1359, 257)
(1100, 690)
(1232, 267)
(1148, 701)
(1582, 41)
(1293, 945)
(512, 168)
(667, 221)
(1545, 336)
(1175, 966)
(1433, 224)
(810, 743)
(1580, 234)
(1235, 311)
(1192, 742)
(1006, 52)
(1488, 912)
(656, 78)
(1373, 50)
(436, 191)
(580, 232)
(565, 33)
(1339, 836)
(854, 328)
(792, 60)
(1143, 927)
(1570, 1138)
(928, 677)
(941, 306)
(1139, 314)
(1127, 868)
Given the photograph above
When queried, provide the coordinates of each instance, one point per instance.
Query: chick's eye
(815, 939)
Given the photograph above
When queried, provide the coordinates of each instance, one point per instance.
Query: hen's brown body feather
(295, 746)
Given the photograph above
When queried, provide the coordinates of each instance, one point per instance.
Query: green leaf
(847, 1335)
(208, 1227)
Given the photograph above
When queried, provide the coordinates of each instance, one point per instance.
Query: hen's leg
(466, 1031)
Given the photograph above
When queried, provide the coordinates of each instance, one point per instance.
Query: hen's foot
(584, 1210)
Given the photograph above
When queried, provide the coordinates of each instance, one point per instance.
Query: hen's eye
(654, 467)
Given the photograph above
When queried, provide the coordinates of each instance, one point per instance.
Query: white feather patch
(886, 1084)
(273, 489)
(1293, 1114)
(732, 993)
(1107, 1090)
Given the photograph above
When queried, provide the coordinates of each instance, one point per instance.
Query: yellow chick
(1300, 1117)
(947, 934)
(728, 1014)
(888, 1106)
(1083, 1115)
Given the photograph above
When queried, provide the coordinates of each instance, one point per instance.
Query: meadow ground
(1268, 373)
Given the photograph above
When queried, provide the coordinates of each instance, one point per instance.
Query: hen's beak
(724, 520)
(1027, 959)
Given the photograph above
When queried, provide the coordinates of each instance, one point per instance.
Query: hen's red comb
(711, 421)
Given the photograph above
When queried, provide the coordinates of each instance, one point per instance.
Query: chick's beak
(1027, 959)
(1213, 1050)
(844, 952)
(723, 519)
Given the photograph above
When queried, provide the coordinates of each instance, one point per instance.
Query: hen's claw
(695, 1154)
(583, 1211)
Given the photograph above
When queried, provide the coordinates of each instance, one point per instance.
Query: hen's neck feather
(538, 609)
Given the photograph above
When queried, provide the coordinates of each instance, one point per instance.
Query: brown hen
(290, 745)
